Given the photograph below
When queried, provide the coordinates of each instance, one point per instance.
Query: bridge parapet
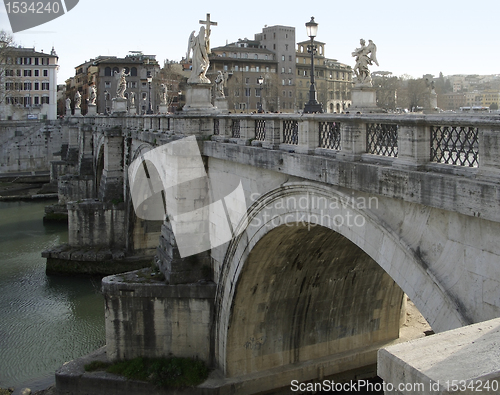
(453, 144)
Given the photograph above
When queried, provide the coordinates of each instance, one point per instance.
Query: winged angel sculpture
(200, 46)
(365, 55)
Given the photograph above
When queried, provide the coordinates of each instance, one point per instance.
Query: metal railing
(382, 139)
(329, 135)
(455, 145)
(260, 129)
(290, 132)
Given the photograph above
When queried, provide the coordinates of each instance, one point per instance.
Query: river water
(44, 320)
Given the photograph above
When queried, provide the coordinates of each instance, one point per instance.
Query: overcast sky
(427, 37)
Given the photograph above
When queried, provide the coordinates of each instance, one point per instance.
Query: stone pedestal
(364, 99)
(78, 112)
(162, 109)
(132, 111)
(199, 98)
(119, 105)
(221, 104)
(92, 110)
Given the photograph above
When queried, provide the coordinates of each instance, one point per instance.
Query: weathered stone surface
(465, 360)
(146, 317)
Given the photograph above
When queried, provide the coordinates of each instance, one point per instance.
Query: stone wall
(30, 146)
(146, 317)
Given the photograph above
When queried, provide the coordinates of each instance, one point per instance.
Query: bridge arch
(143, 234)
(375, 242)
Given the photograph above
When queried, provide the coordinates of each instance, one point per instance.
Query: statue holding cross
(200, 46)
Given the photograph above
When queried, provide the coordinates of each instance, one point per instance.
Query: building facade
(28, 84)
(103, 72)
(333, 79)
(243, 63)
(285, 71)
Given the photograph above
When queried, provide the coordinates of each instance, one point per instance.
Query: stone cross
(207, 24)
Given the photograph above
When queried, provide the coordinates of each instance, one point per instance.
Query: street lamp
(312, 105)
(260, 81)
(149, 78)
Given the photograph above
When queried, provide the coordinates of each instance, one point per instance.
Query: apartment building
(285, 70)
(243, 63)
(103, 72)
(28, 84)
(333, 79)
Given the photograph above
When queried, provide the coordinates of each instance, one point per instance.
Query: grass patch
(96, 365)
(173, 372)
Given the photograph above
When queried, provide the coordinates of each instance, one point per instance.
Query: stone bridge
(344, 215)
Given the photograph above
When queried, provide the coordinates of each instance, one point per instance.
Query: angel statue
(93, 95)
(78, 99)
(363, 59)
(163, 94)
(219, 85)
(201, 48)
(122, 85)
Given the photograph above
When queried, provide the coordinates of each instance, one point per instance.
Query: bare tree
(6, 63)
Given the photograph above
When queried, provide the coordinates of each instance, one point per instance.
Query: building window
(36, 61)
(18, 73)
(45, 100)
(37, 86)
(107, 84)
(236, 92)
(37, 73)
(133, 72)
(236, 68)
(247, 68)
(225, 67)
(286, 46)
(282, 58)
(27, 86)
(144, 95)
(45, 73)
(247, 92)
(107, 72)
(247, 80)
(290, 82)
(45, 86)
(37, 100)
(115, 70)
(282, 70)
(257, 92)
(27, 73)
(289, 70)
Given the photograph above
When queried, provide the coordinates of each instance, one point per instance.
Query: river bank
(22, 186)
(27, 391)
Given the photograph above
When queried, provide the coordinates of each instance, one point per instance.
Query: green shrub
(170, 372)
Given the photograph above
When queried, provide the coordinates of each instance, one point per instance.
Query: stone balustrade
(453, 144)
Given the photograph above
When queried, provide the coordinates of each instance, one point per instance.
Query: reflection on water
(44, 321)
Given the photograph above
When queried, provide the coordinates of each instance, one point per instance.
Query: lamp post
(312, 105)
(149, 78)
(260, 81)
